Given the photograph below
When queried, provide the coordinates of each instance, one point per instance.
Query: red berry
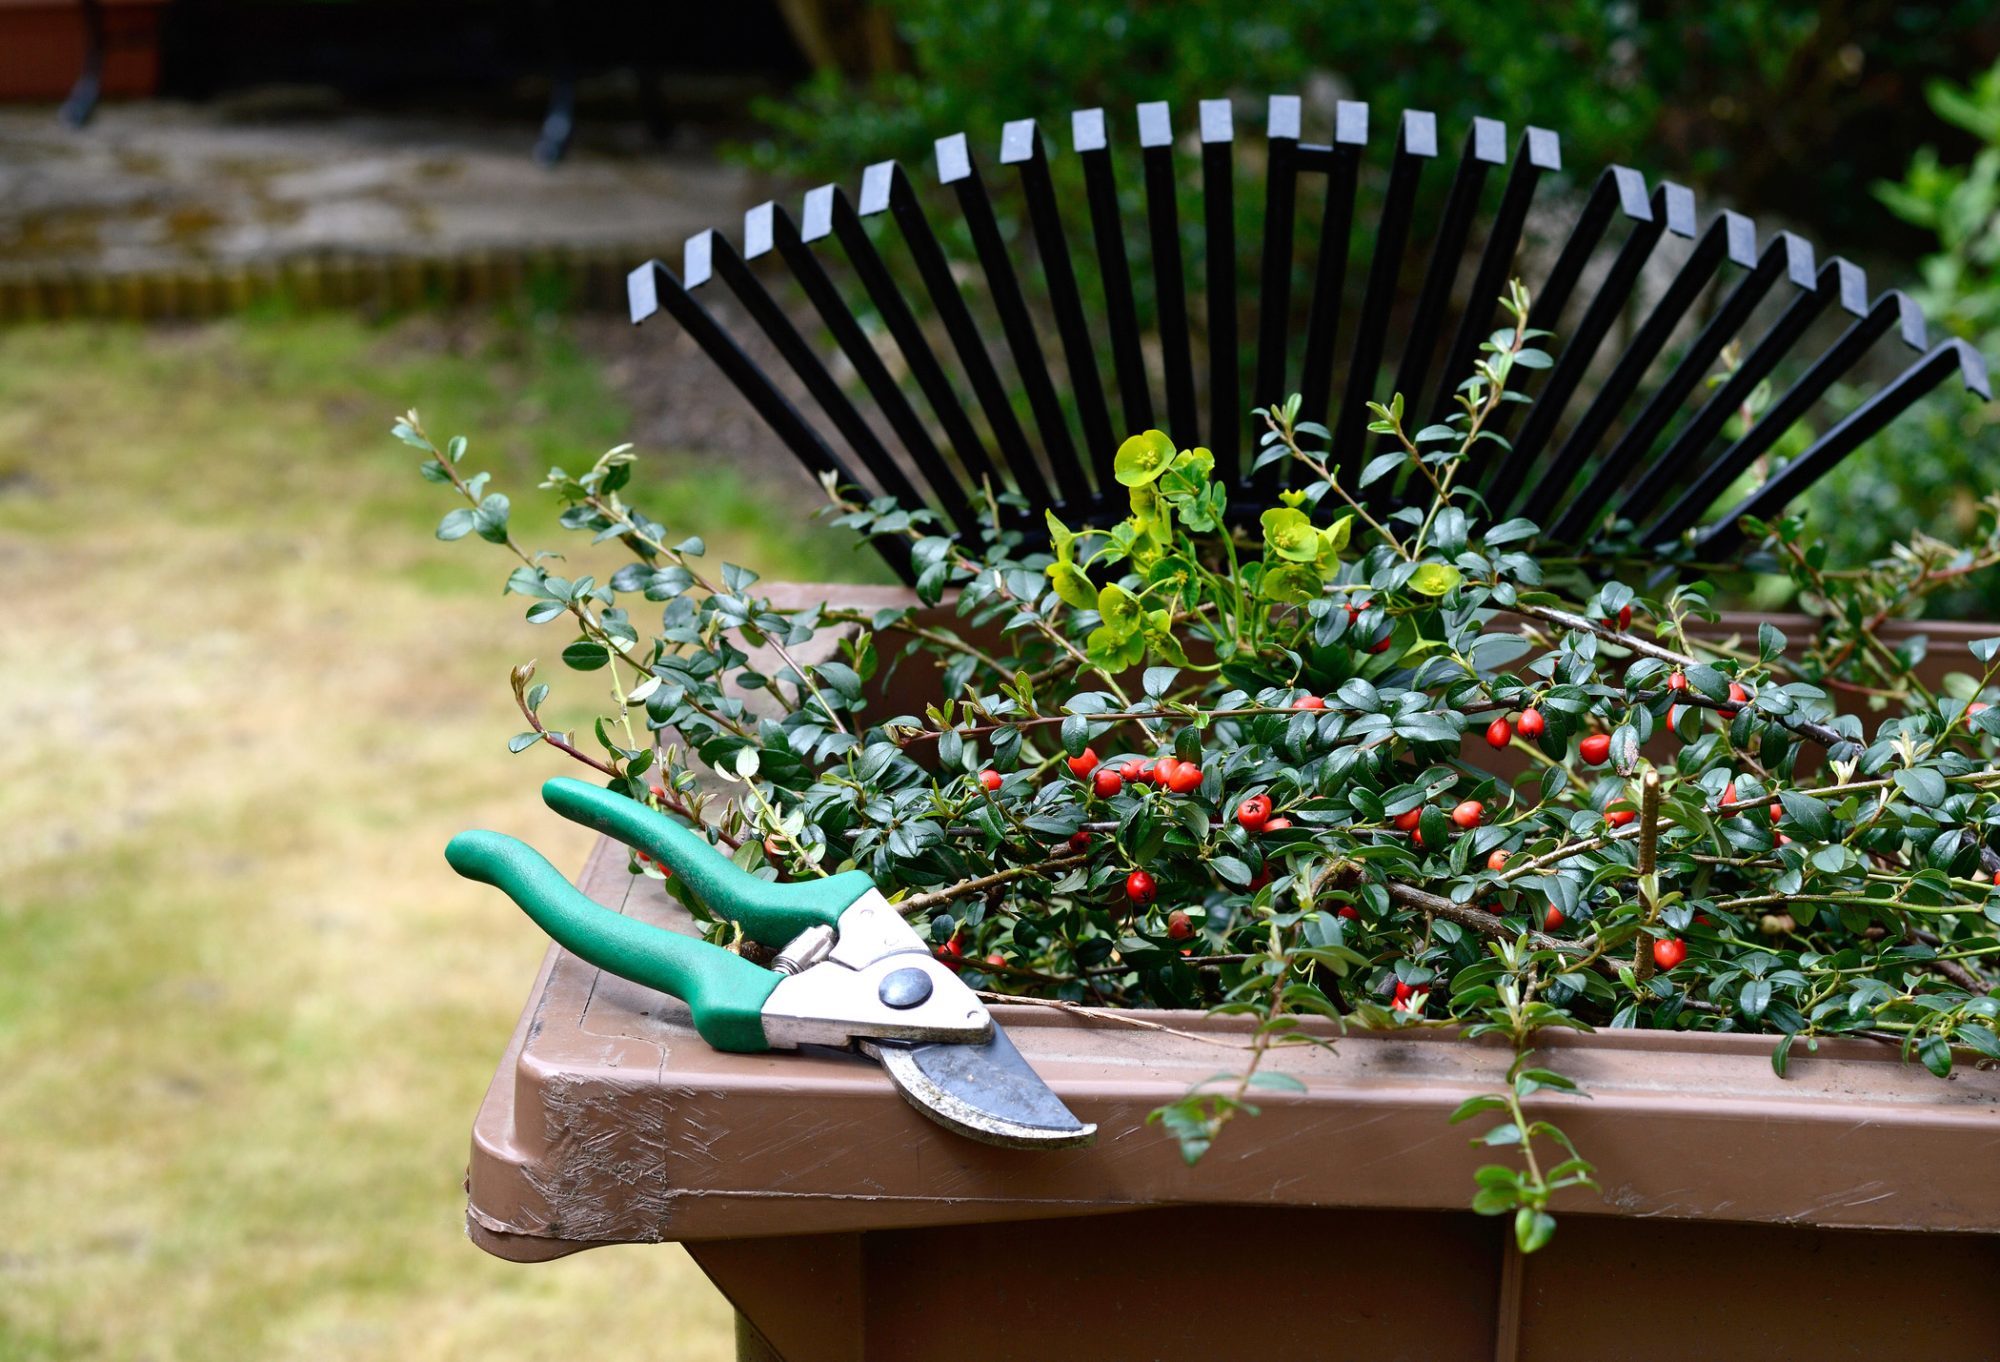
(951, 952)
(1186, 778)
(1532, 723)
(1163, 770)
(1674, 717)
(1407, 822)
(1253, 813)
(1403, 991)
(1107, 783)
(996, 959)
(659, 792)
(1624, 620)
(1499, 733)
(1147, 772)
(1996, 877)
(1618, 818)
(1669, 952)
(1469, 814)
(1263, 878)
(1729, 793)
(1777, 812)
(1552, 919)
(1277, 825)
(1081, 841)
(1677, 681)
(1783, 840)
(1139, 887)
(1179, 926)
(1134, 769)
(990, 778)
(1497, 860)
(1975, 707)
(1347, 911)
(1737, 694)
(1383, 645)
(1308, 702)
(1083, 763)
(1494, 909)
(1595, 749)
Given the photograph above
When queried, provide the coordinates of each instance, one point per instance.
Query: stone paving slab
(169, 186)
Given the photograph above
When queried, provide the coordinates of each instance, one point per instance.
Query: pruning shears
(850, 972)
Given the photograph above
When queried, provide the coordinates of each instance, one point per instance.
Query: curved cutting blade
(985, 1092)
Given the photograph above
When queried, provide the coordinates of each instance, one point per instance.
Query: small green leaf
(1072, 586)
(1435, 579)
(1380, 465)
(1142, 458)
(1935, 1052)
(1811, 816)
(1533, 1228)
(456, 524)
(1925, 786)
(491, 518)
(1120, 610)
(584, 655)
(1291, 534)
(1290, 583)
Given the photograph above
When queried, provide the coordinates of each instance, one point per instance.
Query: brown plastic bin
(1849, 1210)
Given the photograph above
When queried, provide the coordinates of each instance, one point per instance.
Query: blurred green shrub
(1928, 471)
(1776, 102)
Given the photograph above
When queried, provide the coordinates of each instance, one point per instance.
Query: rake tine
(1416, 143)
(1341, 163)
(1671, 208)
(1156, 140)
(1218, 193)
(828, 212)
(1673, 205)
(1730, 235)
(1893, 309)
(1089, 140)
(885, 188)
(1485, 147)
(1837, 281)
(1863, 423)
(653, 288)
(1274, 291)
(709, 252)
(1021, 145)
(769, 226)
(1539, 150)
(1785, 254)
(956, 168)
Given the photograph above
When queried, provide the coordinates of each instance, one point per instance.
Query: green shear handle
(769, 912)
(725, 991)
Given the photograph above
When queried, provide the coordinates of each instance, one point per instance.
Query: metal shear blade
(984, 1092)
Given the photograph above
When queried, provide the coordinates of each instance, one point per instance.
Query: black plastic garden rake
(938, 372)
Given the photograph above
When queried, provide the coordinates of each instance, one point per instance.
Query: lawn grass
(246, 1014)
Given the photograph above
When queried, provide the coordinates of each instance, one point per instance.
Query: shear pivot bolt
(905, 988)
